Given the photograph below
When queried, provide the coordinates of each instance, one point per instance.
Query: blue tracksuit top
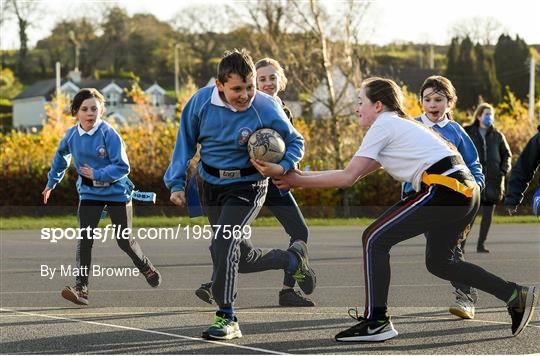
(101, 148)
(223, 134)
(454, 133)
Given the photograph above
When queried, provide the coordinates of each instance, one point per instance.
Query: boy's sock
(228, 311)
(293, 262)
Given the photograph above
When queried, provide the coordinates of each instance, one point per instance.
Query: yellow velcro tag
(448, 182)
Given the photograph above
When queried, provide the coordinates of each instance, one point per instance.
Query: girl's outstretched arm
(357, 168)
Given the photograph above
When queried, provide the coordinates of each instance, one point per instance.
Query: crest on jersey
(101, 151)
(244, 134)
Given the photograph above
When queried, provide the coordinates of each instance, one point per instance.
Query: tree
(487, 77)
(10, 87)
(484, 30)
(25, 13)
(58, 46)
(471, 70)
(315, 23)
(512, 64)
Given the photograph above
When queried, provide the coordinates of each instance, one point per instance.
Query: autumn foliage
(26, 156)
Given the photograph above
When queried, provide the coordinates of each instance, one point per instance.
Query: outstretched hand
(287, 181)
(268, 169)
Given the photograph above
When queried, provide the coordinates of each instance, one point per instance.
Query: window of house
(113, 98)
(156, 99)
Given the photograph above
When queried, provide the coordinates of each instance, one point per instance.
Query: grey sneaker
(464, 305)
(304, 275)
(521, 309)
(77, 294)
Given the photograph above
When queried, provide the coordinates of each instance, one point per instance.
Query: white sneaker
(464, 305)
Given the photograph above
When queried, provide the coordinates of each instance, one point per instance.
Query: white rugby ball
(266, 145)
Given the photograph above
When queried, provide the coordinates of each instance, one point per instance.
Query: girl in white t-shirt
(445, 201)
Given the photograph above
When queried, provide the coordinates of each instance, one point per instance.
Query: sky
(422, 21)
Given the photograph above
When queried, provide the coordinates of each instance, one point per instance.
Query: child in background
(438, 97)
(99, 154)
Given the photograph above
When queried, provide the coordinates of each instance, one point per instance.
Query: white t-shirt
(404, 148)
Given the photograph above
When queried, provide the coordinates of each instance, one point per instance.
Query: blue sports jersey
(223, 135)
(104, 151)
(455, 134)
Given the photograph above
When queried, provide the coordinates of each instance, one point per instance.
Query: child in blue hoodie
(221, 119)
(99, 154)
(438, 97)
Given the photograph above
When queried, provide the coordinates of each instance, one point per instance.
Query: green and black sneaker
(304, 275)
(223, 328)
(521, 308)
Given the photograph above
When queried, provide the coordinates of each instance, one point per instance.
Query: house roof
(47, 88)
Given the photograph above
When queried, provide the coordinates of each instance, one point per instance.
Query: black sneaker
(204, 292)
(521, 309)
(368, 330)
(304, 275)
(77, 294)
(291, 298)
(481, 249)
(152, 275)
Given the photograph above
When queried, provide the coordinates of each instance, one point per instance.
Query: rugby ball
(266, 145)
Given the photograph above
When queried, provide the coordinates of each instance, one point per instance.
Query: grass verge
(32, 223)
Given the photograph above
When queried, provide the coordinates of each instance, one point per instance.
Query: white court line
(244, 288)
(274, 312)
(148, 331)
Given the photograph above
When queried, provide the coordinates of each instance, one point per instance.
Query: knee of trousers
(223, 257)
(375, 244)
(439, 267)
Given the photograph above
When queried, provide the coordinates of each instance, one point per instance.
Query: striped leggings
(441, 214)
(229, 207)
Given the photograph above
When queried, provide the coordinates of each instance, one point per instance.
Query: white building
(29, 106)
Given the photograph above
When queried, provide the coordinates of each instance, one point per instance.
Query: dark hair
(441, 85)
(265, 62)
(235, 62)
(82, 95)
(387, 92)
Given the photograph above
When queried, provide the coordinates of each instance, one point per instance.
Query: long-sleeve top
(223, 133)
(104, 151)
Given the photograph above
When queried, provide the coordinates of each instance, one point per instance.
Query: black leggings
(286, 210)
(442, 215)
(89, 214)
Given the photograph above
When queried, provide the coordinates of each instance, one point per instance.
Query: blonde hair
(279, 69)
